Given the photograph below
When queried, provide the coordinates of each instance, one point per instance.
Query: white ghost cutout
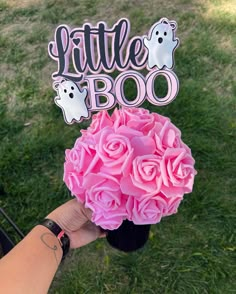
(71, 100)
(161, 44)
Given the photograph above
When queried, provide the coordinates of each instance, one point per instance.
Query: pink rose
(108, 221)
(114, 150)
(104, 198)
(160, 118)
(177, 171)
(145, 177)
(83, 158)
(74, 181)
(121, 116)
(172, 205)
(100, 120)
(136, 118)
(142, 145)
(146, 211)
(86, 138)
(165, 136)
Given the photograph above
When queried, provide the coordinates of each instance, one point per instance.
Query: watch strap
(59, 233)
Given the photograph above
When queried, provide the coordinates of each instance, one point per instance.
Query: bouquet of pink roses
(131, 165)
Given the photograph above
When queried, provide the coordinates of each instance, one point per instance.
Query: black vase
(128, 237)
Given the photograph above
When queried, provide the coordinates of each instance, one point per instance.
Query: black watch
(59, 233)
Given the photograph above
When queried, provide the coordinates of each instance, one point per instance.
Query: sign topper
(82, 53)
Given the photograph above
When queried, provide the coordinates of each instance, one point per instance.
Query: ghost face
(68, 90)
(162, 33)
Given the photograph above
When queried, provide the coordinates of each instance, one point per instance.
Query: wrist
(59, 233)
(49, 240)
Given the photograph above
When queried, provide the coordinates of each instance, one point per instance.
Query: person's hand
(74, 219)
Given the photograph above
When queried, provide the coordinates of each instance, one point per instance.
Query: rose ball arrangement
(131, 169)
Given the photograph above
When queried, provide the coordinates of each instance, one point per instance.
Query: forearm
(32, 264)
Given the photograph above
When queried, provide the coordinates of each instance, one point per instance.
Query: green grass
(190, 252)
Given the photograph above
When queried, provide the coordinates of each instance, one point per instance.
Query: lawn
(190, 252)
